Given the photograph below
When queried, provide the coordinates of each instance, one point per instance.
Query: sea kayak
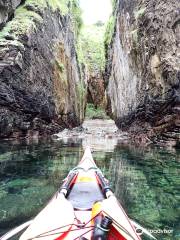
(83, 208)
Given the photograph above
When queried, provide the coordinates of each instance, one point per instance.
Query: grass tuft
(95, 113)
(139, 13)
(61, 5)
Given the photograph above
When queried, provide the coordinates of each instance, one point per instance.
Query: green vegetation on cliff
(110, 27)
(23, 21)
(139, 12)
(76, 12)
(81, 94)
(38, 43)
(27, 16)
(91, 54)
(91, 39)
(95, 113)
(61, 5)
(114, 3)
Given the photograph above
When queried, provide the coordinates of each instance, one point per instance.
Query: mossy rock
(30, 14)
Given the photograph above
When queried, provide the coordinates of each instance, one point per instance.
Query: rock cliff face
(41, 88)
(7, 8)
(143, 67)
(96, 90)
(92, 42)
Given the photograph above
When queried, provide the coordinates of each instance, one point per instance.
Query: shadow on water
(145, 180)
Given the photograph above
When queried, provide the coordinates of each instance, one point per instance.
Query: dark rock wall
(96, 90)
(144, 67)
(41, 91)
(7, 8)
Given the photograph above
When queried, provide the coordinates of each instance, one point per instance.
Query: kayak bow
(83, 208)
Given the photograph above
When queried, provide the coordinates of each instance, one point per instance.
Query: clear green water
(145, 180)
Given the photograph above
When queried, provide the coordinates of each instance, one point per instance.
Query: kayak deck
(89, 191)
(72, 213)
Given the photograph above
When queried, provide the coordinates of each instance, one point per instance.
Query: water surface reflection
(145, 180)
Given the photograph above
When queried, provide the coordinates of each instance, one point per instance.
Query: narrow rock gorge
(143, 68)
(92, 42)
(42, 86)
(46, 79)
